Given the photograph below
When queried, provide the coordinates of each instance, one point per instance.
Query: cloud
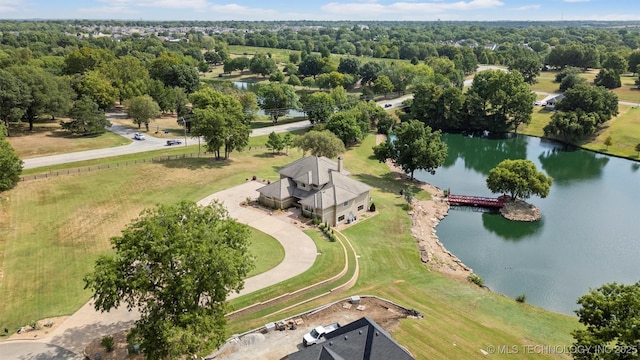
(159, 4)
(375, 9)
(576, 1)
(10, 5)
(528, 7)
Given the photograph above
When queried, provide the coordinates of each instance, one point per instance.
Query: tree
(519, 178)
(10, 163)
(633, 61)
(615, 62)
(219, 118)
(382, 85)
(610, 315)
(294, 81)
(570, 81)
(437, 106)
(320, 143)
(274, 142)
(287, 141)
(500, 101)
(13, 98)
(319, 106)
(86, 118)
(528, 66)
(608, 142)
(263, 65)
(415, 147)
(349, 65)
(177, 265)
(142, 109)
(347, 126)
(312, 65)
(98, 87)
(607, 78)
(277, 99)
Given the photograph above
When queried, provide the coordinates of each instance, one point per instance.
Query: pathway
(69, 339)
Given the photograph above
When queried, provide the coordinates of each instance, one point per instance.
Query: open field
(47, 138)
(52, 230)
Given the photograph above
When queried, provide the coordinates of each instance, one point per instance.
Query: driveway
(68, 340)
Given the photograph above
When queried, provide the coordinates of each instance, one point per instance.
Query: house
(319, 186)
(552, 100)
(362, 339)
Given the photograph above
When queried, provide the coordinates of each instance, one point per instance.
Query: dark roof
(311, 170)
(340, 188)
(361, 339)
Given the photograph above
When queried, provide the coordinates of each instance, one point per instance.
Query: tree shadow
(510, 230)
(77, 338)
(51, 352)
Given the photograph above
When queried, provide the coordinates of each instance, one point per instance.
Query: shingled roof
(311, 170)
(339, 190)
(362, 339)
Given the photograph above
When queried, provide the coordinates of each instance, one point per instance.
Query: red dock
(464, 200)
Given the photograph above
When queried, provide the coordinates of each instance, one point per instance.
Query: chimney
(340, 167)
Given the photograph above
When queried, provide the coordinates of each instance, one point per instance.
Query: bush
(316, 221)
(476, 280)
(107, 343)
(521, 298)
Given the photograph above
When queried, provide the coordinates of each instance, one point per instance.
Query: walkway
(69, 339)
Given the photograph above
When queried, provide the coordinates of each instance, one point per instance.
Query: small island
(520, 179)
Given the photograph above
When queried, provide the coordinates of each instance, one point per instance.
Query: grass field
(47, 138)
(266, 250)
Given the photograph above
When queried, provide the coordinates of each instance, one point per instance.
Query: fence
(55, 173)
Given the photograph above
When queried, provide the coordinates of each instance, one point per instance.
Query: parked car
(139, 136)
(317, 335)
(174, 142)
(388, 105)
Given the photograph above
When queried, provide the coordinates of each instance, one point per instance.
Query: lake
(589, 233)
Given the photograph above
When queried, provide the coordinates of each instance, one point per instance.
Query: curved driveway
(68, 340)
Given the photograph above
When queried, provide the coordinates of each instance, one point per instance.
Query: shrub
(107, 343)
(521, 298)
(316, 221)
(476, 280)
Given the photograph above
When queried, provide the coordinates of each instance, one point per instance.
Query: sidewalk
(69, 339)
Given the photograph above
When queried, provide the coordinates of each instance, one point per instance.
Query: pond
(588, 235)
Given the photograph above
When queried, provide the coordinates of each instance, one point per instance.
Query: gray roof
(284, 188)
(340, 189)
(362, 339)
(311, 170)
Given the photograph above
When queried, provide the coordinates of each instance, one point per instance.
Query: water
(588, 235)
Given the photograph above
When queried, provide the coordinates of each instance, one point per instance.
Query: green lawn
(267, 251)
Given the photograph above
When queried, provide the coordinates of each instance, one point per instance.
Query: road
(137, 146)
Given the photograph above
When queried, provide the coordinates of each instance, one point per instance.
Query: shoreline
(425, 216)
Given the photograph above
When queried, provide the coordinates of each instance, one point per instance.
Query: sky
(355, 10)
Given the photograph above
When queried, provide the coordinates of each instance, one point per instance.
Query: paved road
(69, 339)
(137, 146)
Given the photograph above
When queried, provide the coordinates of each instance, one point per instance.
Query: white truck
(316, 335)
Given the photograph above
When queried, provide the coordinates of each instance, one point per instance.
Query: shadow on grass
(196, 163)
(75, 339)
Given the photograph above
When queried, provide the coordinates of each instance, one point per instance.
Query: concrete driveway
(69, 339)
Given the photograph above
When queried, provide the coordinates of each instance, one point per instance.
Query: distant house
(362, 339)
(552, 101)
(321, 188)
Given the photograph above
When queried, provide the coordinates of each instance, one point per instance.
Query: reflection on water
(588, 235)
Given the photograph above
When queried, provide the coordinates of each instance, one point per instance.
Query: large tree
(581, 112)
(499, 101)
(518, 178)
(219, 119)
(86, 118)
(319, 106)
(263, 65)
(320, 143)
(175, 264)
(415, 147)
(10, 163)
(440, 107)
(14, 97)
(277, 99)
(142, 109)
(610, 315)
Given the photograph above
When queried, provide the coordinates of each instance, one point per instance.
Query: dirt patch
(43, 328)
(277, 344)
(518, 210)
(121, 350)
